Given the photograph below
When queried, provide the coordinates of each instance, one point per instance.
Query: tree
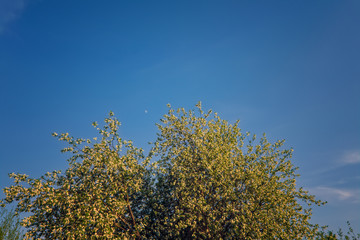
(212, 183)
(93, 199)
(10, 227)
(207, 180)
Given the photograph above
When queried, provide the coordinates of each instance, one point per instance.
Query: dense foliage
(92, 199)
(203, 179)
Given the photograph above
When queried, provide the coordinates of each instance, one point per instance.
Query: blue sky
(286, 68)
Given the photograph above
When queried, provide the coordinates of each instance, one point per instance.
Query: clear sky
(287, 68)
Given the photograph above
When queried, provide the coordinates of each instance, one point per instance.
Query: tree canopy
(203, 179)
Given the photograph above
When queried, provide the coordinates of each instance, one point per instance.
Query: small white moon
(146, 111)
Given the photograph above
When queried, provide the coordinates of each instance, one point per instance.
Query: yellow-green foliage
(92, 199)
(206, 180)
(213, 183)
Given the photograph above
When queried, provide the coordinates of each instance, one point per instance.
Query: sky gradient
(286, 68)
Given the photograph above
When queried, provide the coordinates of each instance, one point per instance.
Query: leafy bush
(203, 179)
